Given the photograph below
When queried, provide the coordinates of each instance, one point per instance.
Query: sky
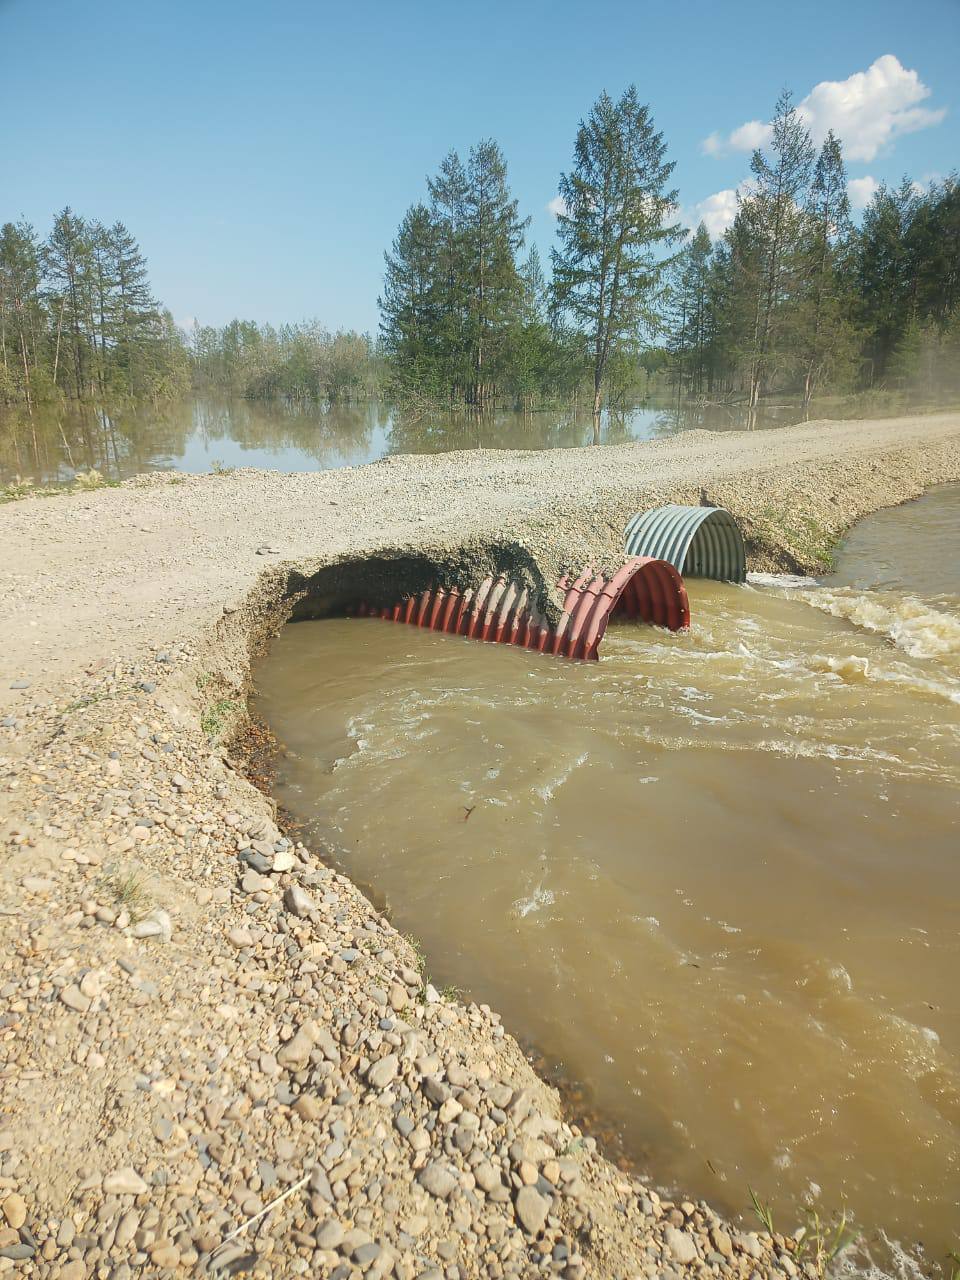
(264, 155)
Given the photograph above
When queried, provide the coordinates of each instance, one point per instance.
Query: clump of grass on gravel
(806, 537)
(419, 952)
(214, 719)
(130, 891)
(22, 487)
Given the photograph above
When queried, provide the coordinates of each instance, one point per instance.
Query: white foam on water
(916, 628)
(537, 900)
(786, 580)
(547, 790)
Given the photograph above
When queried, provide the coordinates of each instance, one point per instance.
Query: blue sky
(264, 154)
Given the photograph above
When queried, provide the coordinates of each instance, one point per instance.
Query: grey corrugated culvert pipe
(700, 542)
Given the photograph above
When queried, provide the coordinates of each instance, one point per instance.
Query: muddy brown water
(714, 878)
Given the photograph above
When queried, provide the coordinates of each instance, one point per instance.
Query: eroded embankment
(199, 1015)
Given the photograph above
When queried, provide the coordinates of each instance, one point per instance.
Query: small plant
(821, 1242)
(450, 992)
(130, 892)
(203, 679)
(19, 487)
(763, 1211)
(214, 719)
(88, 480)
(220, 468)
(954, 1259)
(87, 700)
(419, 952)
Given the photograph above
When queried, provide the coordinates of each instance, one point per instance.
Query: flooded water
(713, 879)
(201, 435)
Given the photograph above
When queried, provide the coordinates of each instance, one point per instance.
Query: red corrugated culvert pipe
(502, 611)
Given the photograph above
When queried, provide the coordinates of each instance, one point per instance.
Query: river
(712, 880)
(201, 434)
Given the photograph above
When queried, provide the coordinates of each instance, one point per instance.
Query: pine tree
(448, 196)
(409, 305)
(608, 272)
(493, 233)
(825, 334)
(885, 279)
(690, 320)
(774, 206)
(19, 306)
(68, 262)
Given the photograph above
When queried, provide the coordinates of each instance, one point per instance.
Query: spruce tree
(493, 233)
(824, 331)
(409, 310)
(615, 223)
(774, 205)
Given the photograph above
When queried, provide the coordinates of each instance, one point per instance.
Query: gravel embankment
(197, 1015)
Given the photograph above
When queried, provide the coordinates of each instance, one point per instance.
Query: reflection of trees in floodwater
(320, 432)
(442, 431)
(53, 444)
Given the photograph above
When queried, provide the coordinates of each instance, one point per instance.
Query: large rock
(297, 901)
(124, 1182)
(438, 1179)
(531, 1210)
(295, 1054)
(680, 1245)
(15, 1211)
(384, 1071)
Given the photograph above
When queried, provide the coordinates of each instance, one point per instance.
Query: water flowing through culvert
(714, 878)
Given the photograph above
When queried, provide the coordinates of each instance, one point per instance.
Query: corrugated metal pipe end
(702, 542)
(504, 612)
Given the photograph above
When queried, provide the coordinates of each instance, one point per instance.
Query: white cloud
(751, 135)
(557, 206)
(867, 111)
(860, 191)
(716, 213)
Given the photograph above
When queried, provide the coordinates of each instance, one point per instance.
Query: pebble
(15, 1211)
(124, 1182)
(74, 998)
(532, 1209)
(681, 1245)
(298, 901)
(329, 1235)
(384, 1071)
(438, 1179)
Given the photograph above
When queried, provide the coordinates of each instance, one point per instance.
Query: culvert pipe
(702, 542)
(504, 612)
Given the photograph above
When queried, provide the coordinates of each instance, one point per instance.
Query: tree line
(296, 362)
(795, 299)
(792, 299)
(78, 318)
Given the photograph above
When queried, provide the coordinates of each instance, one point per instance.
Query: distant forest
(794, 300)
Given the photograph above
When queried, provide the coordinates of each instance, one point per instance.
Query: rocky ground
(214, 1054)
